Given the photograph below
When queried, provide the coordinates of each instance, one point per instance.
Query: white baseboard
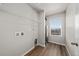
(68, 51)
(28, 51)
(57, 43)
(41, 45)
(32, 49)
(63, 45)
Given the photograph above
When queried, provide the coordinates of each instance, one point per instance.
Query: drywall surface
(41, 29)
(59, 39)
(17, 18)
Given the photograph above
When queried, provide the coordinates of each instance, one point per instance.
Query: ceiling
(50, 8)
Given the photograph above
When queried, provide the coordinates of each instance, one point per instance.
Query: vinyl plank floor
(50, 50)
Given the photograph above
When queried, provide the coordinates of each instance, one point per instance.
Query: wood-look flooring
(50, 50)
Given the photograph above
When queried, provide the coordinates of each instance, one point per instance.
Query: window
(56, 26)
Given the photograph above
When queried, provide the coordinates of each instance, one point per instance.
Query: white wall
(41, 29)
(17, 18)
(58, 39)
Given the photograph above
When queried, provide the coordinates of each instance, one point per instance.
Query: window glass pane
(55, 25)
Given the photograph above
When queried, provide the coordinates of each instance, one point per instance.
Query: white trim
(62, 45)
(28, 51)
(32, 49)
(68, 51)
(41, 45)
(57, 43)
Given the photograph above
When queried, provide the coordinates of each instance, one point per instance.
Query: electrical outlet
(17, 34)
(22, 33)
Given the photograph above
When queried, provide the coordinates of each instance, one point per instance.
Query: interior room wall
(58, 39)
(41, 29)
(14, 20)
